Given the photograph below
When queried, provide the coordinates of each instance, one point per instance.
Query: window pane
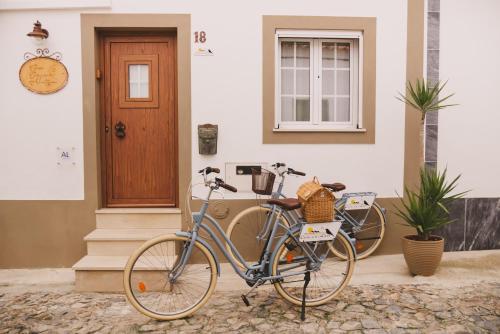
(328, 82)
(287, 82)
(138, 77)
(287, 54)
(343, 55)
(343, 82)
(343, 113)
(327, 110)
(303, 54)
(133, 73)
(302, 79)
(302, 110)
(328, 55)
(287, 109)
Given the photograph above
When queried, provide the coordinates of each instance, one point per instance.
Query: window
(318, 80)
(138, 81)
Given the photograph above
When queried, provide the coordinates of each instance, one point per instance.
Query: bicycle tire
(140, 280)
(292, 290)
(239, 233)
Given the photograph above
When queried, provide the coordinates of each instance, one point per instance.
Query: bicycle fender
(204, 243)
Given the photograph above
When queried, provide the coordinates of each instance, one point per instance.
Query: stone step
(122, 218)
(117, 242)
(105, 273)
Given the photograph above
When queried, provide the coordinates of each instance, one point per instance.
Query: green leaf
(427, 208)
(424, 97)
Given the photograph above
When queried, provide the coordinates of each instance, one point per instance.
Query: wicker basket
(317, 202)
(262, 181)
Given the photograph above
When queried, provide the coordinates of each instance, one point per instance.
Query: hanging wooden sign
(42, 73)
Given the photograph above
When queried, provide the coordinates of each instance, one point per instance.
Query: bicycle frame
(267, 253)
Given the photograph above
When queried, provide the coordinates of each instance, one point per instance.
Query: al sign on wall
(43, 74)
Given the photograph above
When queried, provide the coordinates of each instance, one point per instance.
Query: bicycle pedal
(245, 300)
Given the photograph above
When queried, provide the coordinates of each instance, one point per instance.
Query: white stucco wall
(226, 90)
(32, 126)
(469, 134)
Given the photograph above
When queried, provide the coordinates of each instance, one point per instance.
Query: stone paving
(361, 309)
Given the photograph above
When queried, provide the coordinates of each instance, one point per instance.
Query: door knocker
(120, 130)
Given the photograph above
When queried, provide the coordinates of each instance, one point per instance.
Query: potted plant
(426, 210)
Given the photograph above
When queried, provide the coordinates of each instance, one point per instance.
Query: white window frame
(356, 72)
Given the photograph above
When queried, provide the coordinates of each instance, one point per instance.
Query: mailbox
(207, 138)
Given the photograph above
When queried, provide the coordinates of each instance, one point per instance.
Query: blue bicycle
(172, 276)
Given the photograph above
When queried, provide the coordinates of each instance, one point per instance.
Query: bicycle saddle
(337, 186)
(286, 203)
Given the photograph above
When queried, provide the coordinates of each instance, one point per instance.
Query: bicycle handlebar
(296, 172)
(224, 185)
(209, 170)
(278, 164)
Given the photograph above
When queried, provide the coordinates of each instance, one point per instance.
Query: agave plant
(427, 209)
(424, 97)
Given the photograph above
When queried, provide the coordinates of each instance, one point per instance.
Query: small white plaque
(203, 51)
(319, 231)
(65, 156)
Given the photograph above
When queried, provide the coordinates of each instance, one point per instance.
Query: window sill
(320, 130)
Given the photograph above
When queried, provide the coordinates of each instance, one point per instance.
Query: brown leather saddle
(337, 186)
(286, 203)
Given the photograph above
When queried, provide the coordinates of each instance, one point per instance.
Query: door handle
(120, 129)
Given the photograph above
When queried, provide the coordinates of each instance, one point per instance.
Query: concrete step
(119, 232)
(122, 218)
(117, 242)
(105, 273)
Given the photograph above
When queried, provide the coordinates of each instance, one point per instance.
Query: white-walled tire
(147, 285)
(326, 283)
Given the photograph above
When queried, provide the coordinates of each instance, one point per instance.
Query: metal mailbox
(207, 138)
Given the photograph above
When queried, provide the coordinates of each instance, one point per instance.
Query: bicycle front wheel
(247, 232)
(326, 282)
(151, 290)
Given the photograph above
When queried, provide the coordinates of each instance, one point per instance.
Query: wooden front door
(138, 99)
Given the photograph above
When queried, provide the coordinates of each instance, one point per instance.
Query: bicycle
(171, 276)
(365, 225)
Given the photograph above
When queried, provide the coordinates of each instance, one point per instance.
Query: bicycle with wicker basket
(362, 218)
(172, 276)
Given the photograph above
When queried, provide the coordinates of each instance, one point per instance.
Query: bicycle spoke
(326, 278)
(152, 288)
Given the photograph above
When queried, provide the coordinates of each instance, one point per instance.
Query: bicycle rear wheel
(245, 229)
(370, 234)
(326, 282)
(152, 292)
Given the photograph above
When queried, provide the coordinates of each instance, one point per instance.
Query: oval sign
(43, 75)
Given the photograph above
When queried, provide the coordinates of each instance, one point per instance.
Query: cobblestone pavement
(362, 309)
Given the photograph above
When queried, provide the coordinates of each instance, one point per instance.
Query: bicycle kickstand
(307, 278)
(244, 297)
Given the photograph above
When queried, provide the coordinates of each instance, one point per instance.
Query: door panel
(140, 96)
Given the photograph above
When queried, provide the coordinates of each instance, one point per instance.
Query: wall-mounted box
(239, 174)
(207, 139)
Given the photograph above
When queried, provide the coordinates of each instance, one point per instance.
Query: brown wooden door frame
(104, 37)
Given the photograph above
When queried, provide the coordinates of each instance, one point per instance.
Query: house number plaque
(43, 73)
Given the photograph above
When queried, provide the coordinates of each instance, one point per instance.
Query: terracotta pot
(423, 257)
